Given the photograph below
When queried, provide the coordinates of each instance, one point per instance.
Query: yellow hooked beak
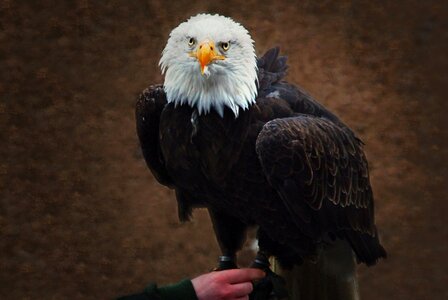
(205, 54)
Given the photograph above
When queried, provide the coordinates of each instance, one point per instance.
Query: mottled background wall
(81, 217)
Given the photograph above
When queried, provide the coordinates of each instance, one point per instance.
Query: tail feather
(366, 247)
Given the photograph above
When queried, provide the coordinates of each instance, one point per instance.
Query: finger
(242, 298)
(242, 275)
(242, 289)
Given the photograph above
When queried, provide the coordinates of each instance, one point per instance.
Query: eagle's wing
(147, 114)
(148, 109)
(320, 172)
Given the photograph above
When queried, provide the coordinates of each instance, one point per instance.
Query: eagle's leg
(272, 286)
(261, 261)
(230, 233)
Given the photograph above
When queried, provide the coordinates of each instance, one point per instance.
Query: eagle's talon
(271, 287)
(261, 262)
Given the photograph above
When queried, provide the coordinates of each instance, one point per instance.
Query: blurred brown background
(81, 217)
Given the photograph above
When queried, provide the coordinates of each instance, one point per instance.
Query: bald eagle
(226, 132)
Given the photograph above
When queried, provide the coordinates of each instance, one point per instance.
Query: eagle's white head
(209, 62)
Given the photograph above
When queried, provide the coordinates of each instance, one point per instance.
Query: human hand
(235, 284)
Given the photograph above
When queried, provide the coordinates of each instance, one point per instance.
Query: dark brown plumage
(286, 164)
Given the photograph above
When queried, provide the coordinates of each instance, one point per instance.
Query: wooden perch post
(332, 277)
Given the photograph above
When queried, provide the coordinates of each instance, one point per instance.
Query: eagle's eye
(191, 42)
(225, 46)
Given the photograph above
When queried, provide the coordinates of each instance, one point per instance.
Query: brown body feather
(286, 164)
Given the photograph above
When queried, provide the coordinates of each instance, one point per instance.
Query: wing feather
(148, 109)
(324, 164)
(314, 162)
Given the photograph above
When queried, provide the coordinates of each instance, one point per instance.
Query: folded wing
(321, 174)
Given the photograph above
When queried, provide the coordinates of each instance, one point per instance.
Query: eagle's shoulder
(271, 69)
(148, 109)
(277, 98)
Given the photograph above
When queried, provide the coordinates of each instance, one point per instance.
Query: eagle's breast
(201, 150)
